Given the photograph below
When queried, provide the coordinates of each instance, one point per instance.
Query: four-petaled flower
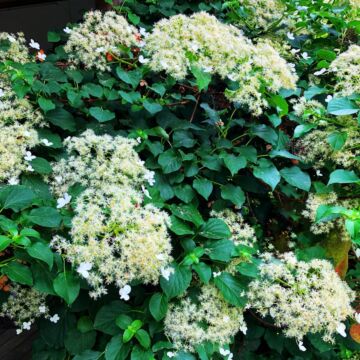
(26, 325)
(84, 269)
(124, 292)
(29, 156)
(61, 202)
(55, 318)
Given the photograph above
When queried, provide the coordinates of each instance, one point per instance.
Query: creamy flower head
(111, 231)
(302, 298)
(181, 42)
(17, 133)
(99, 34)
(15, 48)
(346, 68)
(184, 320)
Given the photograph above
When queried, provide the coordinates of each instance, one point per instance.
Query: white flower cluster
(242, 233)
(262, 13)
(114, 239)
(14, 46)
(178, 43)
(190, 323)
(347, 71)
(24, 306)
(302, 297)
(17, 133)
(99, 36)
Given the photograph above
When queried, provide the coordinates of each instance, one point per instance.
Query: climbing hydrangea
(178, 44)
(99, 38)
(210, 318)
(301, 297)
(17, 133)
(347, 71)
(119, 238)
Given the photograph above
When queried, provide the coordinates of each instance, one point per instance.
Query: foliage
(234, 183)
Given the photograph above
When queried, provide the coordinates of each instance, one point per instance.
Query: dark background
(36, 18)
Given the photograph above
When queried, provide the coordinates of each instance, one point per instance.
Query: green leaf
(105, 319)
(129, 77)
(53, 36)
(220, 250)
(130, 96)
(62, 119)
(337, 139)
(341, 106)
(184, 192)
(76, 342)
(116, 349)
(143, 337)
(101, 115)
(158, 306)
(203, 78)
(152, 107)
(41, 166)
(67, 286)
(188, 213)
(233, 194)
(178, 281)
(250, 269)
(86, 355)
(341, 176)
(140, 354)
(204, 187)
(45, 216)
(267, 172)
(16, 197)
(300, 130)
(123, 321)
(170, 161)
(183, 138)
(42, 252)
(280, 104)
(230, 288)
(46, 104)
(266, 133)
(19, 273)
(234, 163)
(215, 229)
(203, 270)
(84, 324)
(4, 242)
(295, 177)
(179, 227)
